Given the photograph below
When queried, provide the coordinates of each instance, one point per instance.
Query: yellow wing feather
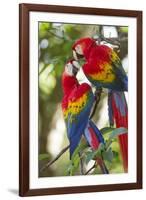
(106, 74)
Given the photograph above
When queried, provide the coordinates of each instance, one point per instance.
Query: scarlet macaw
(76, 105)
(103, 68)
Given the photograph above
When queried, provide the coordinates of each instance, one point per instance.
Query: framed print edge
(24, 187)
(139, 100)
(23, 100)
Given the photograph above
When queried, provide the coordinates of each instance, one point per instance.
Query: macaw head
(69, 79)
(72, 67)
(81, 48)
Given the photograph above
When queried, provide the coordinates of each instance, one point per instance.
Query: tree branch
(97, 99)
(81, 163)
(87, 172)
(113, 41)
(55, 35)
(56, 158)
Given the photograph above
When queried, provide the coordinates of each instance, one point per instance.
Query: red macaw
(76, 105)
(103, 68)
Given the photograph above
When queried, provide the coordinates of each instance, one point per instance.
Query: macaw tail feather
(94, 138)
(118, 113)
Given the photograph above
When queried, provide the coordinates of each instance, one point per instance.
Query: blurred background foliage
(55, 41)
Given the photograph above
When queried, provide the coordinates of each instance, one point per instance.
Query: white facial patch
(79, 50)
(69, 69)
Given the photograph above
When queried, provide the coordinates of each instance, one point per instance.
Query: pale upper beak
(75, 55)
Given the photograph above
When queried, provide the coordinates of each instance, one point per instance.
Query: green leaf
(106, 130)
(124, 29)
(74, 165)
(76, 160)
(44, 156)
(80, 148)
(108, 155)
(113, 133)
(44, 26)
(70, 170)
(118, 131)
(90, 156)
(115, 154)
(93, 154)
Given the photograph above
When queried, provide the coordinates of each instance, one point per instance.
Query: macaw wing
(93, 135)
(100, 74)
(119, 70)
(106, 70)
(121, 76)
(78, 112)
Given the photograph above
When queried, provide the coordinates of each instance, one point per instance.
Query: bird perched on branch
(104, 69)
(76, 105)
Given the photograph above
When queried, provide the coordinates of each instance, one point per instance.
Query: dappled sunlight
(110, 32)
(125, 64)
(89, 166)
(56, 135)
(103, 120)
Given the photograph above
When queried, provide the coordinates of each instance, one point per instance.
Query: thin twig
(81, 163)
(113, 41)
(87, 172)
(102, 165)
(97, 99)
(55, 35)
(56, 158)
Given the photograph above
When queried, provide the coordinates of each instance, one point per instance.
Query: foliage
(104, 151)
(55, 42)
(43, 156)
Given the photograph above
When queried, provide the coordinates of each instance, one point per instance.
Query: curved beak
(75, 55)
(75, 70)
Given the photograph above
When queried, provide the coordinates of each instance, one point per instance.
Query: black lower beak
(75, 71)
(76, 55)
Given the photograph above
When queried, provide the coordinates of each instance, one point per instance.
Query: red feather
(97, 56)
(68, 83)
(122, 121)
(72, 89)
(86, 44)
(100, 53)
(94, 140)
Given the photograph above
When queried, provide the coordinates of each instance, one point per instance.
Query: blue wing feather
(76, 123)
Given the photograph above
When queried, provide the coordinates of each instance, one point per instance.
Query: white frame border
(50, 182)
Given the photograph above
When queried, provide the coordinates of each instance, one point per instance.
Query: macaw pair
(104, 69)
(76, 105)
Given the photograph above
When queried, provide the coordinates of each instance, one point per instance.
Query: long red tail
(119, 114)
